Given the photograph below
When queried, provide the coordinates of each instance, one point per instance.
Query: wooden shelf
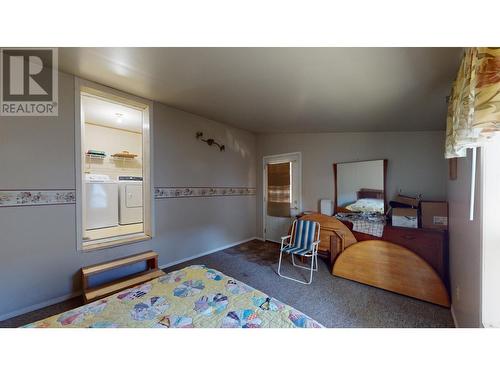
(106, 266)
(111, 288)
(95, 157)
(122, 158)
(92, 158)
(94, 293)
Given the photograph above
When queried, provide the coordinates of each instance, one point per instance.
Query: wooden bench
(92, 293)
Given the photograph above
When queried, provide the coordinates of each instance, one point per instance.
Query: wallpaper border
(40, 197)
(189, 192)
(14, 198)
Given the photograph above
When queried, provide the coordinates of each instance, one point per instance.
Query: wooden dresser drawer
(431, 245)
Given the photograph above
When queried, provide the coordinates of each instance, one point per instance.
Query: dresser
(429, 244)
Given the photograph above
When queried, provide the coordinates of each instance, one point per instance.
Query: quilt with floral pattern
(194, 296)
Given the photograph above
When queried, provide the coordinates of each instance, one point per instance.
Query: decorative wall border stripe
(13, 198)
(187, 192)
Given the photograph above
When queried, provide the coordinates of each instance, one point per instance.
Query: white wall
(465, 245)
(415, 161)
(38, 257)
(491, 235)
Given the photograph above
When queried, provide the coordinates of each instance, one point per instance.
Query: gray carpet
(332, 301)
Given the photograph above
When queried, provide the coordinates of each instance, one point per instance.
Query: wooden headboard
(370, 193)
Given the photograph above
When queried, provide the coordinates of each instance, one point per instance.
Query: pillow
(367, 205)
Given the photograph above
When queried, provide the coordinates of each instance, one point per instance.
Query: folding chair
(303, 240)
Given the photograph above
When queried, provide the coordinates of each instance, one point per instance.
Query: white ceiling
(112, 115)
(284, 89)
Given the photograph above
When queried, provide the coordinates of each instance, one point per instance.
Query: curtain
(474, 104)
(278, 189)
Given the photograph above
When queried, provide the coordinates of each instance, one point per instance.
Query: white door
(101, 205)
(275, 227)
(134, 195)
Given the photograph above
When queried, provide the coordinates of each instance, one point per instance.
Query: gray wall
(38, 257)
(415, 161)
(465, 245)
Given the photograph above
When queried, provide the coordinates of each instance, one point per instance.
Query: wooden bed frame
(364, 193)
(370, 193)
(378, 263)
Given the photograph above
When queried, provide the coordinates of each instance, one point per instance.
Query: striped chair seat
(304, 241)
(296, 250)
(303, 238)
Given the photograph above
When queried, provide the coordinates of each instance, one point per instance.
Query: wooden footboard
(331, 227)
(392, 267)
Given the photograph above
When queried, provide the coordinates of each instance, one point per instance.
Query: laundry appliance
(131, 200)
(101, 201)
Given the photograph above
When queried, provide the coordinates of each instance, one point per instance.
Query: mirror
(360, 186)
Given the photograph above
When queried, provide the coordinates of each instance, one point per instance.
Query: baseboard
(206, 253)
(53, 301)
(454, 317)
(259, 238)
(38, 306)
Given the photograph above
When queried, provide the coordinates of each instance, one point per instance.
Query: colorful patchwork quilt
(194, 296)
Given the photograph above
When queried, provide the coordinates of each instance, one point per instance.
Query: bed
(368, 201)
(195, 296)
(366, 213)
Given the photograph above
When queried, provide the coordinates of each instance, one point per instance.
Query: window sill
(114, 242)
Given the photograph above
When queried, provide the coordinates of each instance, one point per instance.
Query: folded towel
(96, 152)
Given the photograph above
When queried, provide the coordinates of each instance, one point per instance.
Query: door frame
(83, 86)
(279, 158)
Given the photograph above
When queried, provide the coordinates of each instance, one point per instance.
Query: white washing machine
(131, 198)
(101, 201)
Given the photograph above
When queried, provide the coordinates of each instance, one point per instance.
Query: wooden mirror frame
(335, 207)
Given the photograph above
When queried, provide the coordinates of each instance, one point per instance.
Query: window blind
(278, 189)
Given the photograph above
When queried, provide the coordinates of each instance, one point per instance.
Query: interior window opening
(113, 191)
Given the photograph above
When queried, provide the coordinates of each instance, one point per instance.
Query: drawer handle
(409, 237)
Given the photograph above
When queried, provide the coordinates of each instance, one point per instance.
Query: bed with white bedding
(366, 213)
(367, 205)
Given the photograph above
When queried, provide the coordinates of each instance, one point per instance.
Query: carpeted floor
(332, 301)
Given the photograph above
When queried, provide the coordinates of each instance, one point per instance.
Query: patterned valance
(474, 105)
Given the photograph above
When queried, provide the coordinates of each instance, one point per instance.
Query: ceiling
(112, 115)
(270, 90)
